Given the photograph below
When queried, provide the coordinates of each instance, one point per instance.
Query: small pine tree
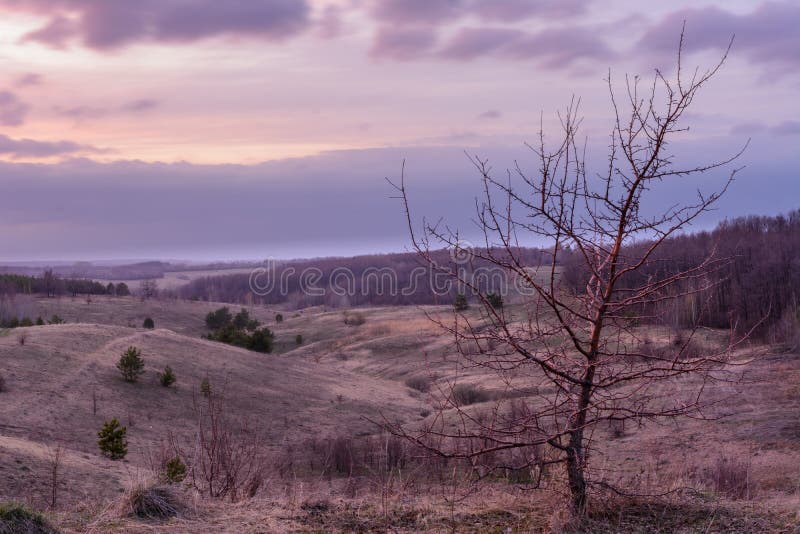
(130, 364)
(495, 300)
(279, 318)
(39, 321)
(55, 319)
(149, 323)
(123, 290)
(26, 321)
(298, 339)
(174, 470)
(111, 440)
(205, 387)
(460, 303)
(167, 378)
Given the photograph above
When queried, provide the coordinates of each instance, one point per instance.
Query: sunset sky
(202, 129)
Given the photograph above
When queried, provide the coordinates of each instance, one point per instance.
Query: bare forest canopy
(756, 281)
(147, 270)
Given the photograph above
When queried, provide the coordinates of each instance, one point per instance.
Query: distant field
(175, 279)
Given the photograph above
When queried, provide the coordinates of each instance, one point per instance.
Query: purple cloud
(30, 148)
(787, 128)
(138, 106)
(514, 10)
(81, 113)
(766, 35)
(471, 43)
(491, 114)
(554, 48)
(111, 24)
(29, 79)
(417, 11)
(12, 110)
(403, 44)
(431, 12)
(329, 25)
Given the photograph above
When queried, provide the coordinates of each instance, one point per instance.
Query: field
(61, 384)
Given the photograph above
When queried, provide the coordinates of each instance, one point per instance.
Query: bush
(464, 394)
(219, 318)
(420, 383)
(730, 477)
(279, 318)
(167, 378)
(460, 302)
(174, 470)
(111, 440)
(39, 321)
(261, 340)
(149, 323)
(123, 290)
(298, 339)
(2, 383)
(242, 321)
(495, 300)
(55, 319)
(21, 339)
(130, 364)
(354, 318)
(17, 519)
(26, 321)
(205, 387)
(148, 501)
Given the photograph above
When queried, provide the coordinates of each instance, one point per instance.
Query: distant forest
(755, 284)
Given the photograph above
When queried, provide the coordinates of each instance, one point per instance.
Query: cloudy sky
(202, 129)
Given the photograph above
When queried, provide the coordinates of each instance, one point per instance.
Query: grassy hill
(62, 384)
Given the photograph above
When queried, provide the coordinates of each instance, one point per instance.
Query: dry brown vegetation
(326, 466)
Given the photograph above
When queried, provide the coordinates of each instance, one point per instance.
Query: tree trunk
(577, 481)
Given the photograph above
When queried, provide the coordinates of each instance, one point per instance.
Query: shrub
(495, 300)
(279, 318)
(354, 318)
(55, 319)
(460, 302)
(167, 378)
(174, 470)
(261, 340)
(17, 519)
(123, 290)
(130, 364)
(242, 321)
(149, 323)
(39, 321)
(149, 501)
(298, 339)
(420, 383)
(730, 477)
(219, 318)
(111, 440)
(2, 383)
(21, 339)
(205, 387)
(26, 321)
(464, 394)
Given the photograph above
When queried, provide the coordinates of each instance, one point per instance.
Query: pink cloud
(403, 44)
(12, 110)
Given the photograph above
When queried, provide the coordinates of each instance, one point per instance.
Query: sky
(247, 129)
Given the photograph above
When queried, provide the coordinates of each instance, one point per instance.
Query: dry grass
(307, 391)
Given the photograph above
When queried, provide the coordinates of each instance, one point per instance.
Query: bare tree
(55, 457)
(148, 289)
(580, 350)
(226, 455)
